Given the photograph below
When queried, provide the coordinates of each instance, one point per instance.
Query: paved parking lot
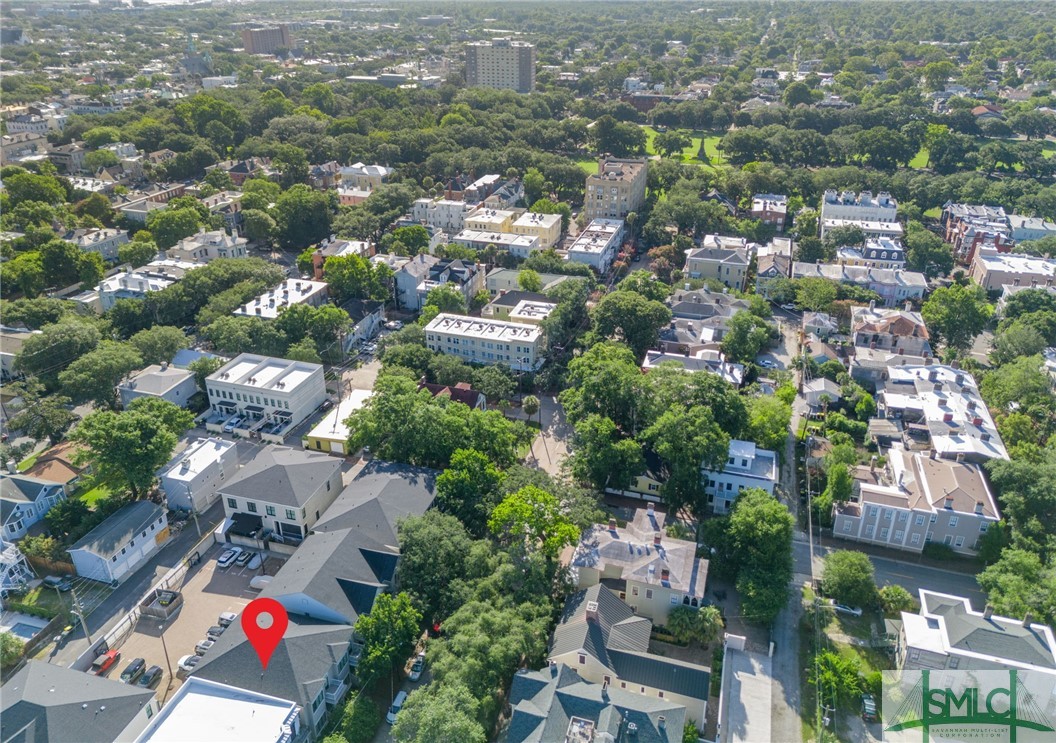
(207, 591)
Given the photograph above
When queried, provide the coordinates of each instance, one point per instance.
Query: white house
(24, 501)
(105, 242)
(163, 381)
(116, 548)
(598, 244)
(282, 489)
(291, 291)
(270, 395)
(747, 466)
(190, 480)
(207, 246)
(367, 315)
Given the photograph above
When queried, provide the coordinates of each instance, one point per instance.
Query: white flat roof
(204, 711)
(290, 291)
(332, 426)
(197, 457)
(536, 219)
(472, 327)
(867, 225)
(264, 372)
(598, 237)
(497, 238)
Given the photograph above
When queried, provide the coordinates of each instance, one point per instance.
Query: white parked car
(417, 667)
(188, 662)
(789, 307)
(397, 705)
(844, 609)
(232, 425)
(228, 557)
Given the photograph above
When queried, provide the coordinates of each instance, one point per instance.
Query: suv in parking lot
(228, 557)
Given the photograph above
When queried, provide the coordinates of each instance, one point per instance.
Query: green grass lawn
(920, 160)
(28, 462)
(1048, 151)
(588, 166)
(689, 154)
(934, 213)
(94, 491)
(45, 598)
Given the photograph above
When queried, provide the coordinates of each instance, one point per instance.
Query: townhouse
(917, 498)
(894, 286)
(105, 242)
(879, 252)
(208, 246)
(282, 489)
(520, 346)
(598, 244)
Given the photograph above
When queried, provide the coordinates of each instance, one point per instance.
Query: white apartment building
(208, 246)
(135, 284)
(859, 207)
(915, 499)
(190, 479)
(747, 466)
(105, 242)
(289, 292)
(869, 227)
(546, 227)
(479, 341)
(598, 244)
(520, 246)
(271, 395)
(443, 214)
(502, 64)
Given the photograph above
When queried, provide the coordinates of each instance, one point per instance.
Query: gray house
(556, 704)
(24, 501)
(116, 548)
(46, 702)
(166, 382)
(332, 578)
(282, 489)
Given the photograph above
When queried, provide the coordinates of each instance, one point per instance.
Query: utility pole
(168, 663)
(80, 614)
(194, 511)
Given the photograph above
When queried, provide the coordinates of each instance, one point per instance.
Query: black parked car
(151, 678)
(133, 670)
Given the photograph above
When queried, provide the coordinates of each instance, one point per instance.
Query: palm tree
(709, 624)
(682, 623)
(530, 406)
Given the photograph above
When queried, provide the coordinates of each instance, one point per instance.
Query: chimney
(661, 723)
(592, 611)
(960, 457)
(1027, 620)
(872, 463)
(909, 306)
(665, 574)
(932, 454)
(612, 523)
(872, 304)
(988, 612)
(656, 539)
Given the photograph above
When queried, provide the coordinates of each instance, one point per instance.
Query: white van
(397, 705)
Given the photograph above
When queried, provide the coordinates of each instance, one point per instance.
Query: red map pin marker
(264, 639)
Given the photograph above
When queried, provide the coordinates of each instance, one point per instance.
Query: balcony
(336, 690)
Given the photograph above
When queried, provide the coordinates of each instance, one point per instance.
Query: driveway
(551, 447)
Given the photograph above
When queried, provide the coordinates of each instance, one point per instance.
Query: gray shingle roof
(297, 669)
(45, 702)
(382, 494)
(545, 701)
(282, 475)
(619, 640)
(119, 528)
(997, 636)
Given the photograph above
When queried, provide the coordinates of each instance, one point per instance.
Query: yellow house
(547, 227)
(490, 220)
(652, 572)
(330, 435)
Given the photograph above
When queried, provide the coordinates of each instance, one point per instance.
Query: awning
(226, 404)
(245, 524)
(283, 414)
(254, 408)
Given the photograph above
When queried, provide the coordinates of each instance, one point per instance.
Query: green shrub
(33, 611)
(10, 649)
(360, 720)
(938, 551)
